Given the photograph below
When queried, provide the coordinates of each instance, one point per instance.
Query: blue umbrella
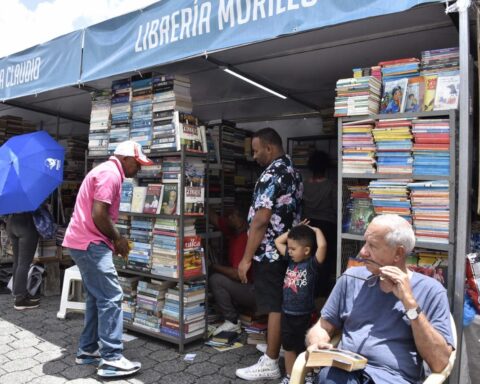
(31, 167)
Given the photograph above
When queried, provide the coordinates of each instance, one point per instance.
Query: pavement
(38, 348)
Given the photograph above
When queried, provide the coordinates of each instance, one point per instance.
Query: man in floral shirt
(276, 207)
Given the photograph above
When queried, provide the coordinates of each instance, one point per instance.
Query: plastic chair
(71, 299)
(299, 368)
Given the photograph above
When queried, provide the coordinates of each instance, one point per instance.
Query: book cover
(362, 214)
(346, 360)
(414, 94)
(394, 95)
(194, 200)
(430, 88)
(226, 337)
(153, 198)
(446, 95)
(170, 199)
(138, 199)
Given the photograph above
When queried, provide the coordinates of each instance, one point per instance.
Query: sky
(25, 23)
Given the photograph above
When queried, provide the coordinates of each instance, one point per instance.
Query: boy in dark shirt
(306, 248)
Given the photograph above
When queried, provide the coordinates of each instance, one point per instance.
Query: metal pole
(464, 178)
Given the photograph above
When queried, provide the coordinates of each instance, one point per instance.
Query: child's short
(294, 330)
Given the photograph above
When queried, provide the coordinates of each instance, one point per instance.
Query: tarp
(54, 64)
(172, 30)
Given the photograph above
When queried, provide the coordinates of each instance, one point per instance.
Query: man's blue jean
(103, 315)
(331, 375)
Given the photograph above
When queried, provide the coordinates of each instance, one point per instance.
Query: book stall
(383, 88)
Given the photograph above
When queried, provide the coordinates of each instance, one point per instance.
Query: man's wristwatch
(413, 313)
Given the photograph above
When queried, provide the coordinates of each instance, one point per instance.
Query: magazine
(394, 95)
(446, 95)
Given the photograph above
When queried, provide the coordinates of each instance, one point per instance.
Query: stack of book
(257, 333)
(431, 151)
(358, 148)
(390, 196)
(139, 257)
(440, 68)
(121, 112)
(171, 101)
(150, 302)
(357, 96)
(151, 173)
(141, 123)
(301, 153)
(400, 68)
(129, 300)
(168, 251)
(193, 310)
(171, 168)
(393, 140)
(431, 210)
(375, 71)
(438, 61)
(123, 226)
(193, 301)
(98, 136)
(430, 263)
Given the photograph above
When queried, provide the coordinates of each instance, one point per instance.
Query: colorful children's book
(393, 97)
(415, 94)
(448, 89)
(430, 88)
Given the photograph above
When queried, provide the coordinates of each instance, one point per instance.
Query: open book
(339, 358)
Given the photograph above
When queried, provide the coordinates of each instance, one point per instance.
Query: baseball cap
(132, 149)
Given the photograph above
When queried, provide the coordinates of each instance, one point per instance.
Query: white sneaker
(118, 368)
(309, 378)
(285, 380)
(263, 348)
(227, 326)
(265, 368)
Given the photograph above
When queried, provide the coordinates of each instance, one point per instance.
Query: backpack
(44, 223)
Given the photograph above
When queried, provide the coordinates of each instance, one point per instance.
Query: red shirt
(237, 242)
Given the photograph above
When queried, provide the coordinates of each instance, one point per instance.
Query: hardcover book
(346, 360)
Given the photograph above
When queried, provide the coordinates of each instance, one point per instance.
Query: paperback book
(346, 360)
(394, 96)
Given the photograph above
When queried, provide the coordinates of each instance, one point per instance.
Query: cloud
(22, 27)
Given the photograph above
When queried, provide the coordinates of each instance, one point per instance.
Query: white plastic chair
(299, 368)
(71, 299)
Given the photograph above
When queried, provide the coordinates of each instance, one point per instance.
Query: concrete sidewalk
(37, 348)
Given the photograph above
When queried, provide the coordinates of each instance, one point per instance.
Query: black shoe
(25, 303)
(35, 298)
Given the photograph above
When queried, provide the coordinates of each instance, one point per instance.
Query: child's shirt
(299, 286)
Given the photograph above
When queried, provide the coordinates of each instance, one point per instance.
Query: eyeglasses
(371, 280)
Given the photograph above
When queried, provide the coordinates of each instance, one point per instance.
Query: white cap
(132, 149)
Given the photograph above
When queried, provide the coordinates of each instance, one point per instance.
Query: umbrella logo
(52, 163)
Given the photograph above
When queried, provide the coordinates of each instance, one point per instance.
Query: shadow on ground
(38, 348)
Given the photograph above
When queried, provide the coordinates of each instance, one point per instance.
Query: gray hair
(400, 231)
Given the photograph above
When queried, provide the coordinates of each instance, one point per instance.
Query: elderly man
(394, 317)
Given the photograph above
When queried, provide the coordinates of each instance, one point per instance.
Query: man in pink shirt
(91, 238)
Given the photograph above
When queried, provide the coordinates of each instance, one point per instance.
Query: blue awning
(54, 64)
(172, 30)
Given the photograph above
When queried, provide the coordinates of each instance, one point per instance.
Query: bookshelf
(349, 244)
(181, 281)
(300, 148)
